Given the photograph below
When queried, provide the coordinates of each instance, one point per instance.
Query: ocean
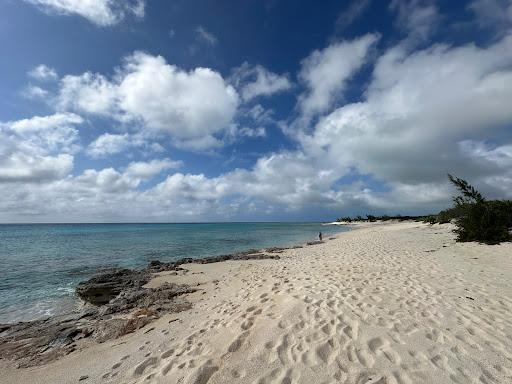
(40, 264)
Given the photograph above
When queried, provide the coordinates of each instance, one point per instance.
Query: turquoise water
(42, 263)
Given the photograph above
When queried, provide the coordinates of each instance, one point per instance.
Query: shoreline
(136, 259)
(112, 303)
(346, 310)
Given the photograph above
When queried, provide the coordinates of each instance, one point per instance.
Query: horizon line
(164, 222)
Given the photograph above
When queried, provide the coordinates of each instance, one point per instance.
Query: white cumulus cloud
(146, 170)
(418, 18)
(34, 92)
(254, 81)
(38, 149)
(423, 113)
(109, 144)
(43, 72)
(100, 12)
(193, 107)
(325, 73)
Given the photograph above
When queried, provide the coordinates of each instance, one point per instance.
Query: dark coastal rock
(41, 341)
(235, 256)
(281, 249)
(275, 249)
(102, 288)
(116, 304)
(161, 299)
(159, 266)
(105, 288)
(115, 328)
(314, 242)
(251, 254)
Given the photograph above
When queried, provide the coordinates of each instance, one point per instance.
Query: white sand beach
(384, 303)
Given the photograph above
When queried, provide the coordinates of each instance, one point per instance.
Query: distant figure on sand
(320, 236)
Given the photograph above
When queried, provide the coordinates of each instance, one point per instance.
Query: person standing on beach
(320, 236)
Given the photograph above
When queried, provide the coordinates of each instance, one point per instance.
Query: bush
(478, 219)
(487, 222)
(432, 219)
(448, 215)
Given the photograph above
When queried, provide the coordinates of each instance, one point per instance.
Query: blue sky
(251, 110)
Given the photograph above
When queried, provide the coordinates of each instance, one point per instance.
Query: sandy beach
(384, 303)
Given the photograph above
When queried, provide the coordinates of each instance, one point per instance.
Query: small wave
(69, 289)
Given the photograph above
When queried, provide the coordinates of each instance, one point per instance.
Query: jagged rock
(159, 299)
(281, 249)
(41, 341)
(116, 304)
(236, 256)
(108, 285)
(159, 266)
(114, 328)
(251, 254)
(102, 288)
(275, 249)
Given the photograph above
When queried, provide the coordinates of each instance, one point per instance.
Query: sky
(250, 110)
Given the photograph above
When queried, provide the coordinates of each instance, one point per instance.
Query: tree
(478, 219)
(469, 193)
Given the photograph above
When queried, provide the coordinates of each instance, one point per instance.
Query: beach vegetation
(371, 218)
(374, 218)
(478, 219)
(475, 218)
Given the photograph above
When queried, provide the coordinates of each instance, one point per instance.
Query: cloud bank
(423, 112)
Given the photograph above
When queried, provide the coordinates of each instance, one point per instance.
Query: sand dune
(395, 303)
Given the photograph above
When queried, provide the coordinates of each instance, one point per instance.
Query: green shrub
(448, 215)
(487, 222)
(478, 219)
(432, 219)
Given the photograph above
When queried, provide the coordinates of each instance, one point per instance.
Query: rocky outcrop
(116, 304)
(161, 299)
(281, 249)
(102, 288)
(251, 254)
(105, 286)
(38, 342)
(42, 341)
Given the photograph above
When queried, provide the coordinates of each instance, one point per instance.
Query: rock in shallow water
(42, 341)
(121, 305)
(102, 288)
